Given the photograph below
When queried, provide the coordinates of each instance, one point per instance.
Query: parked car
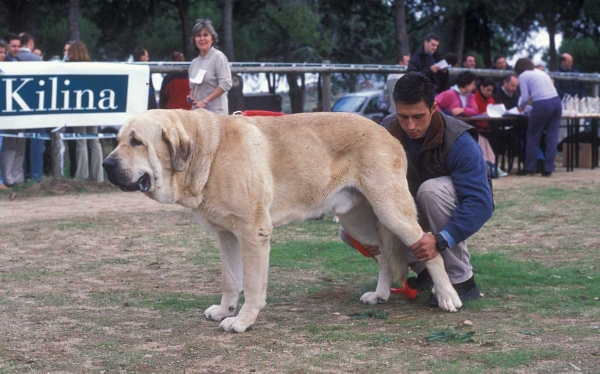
(364, 103)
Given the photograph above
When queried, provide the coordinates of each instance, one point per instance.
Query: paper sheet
(442, 64)
(495, 110)
(514, 110)
(199, 76)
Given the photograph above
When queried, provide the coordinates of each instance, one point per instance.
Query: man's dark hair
(498, 57)
(509, 76)
(522, 65)
(138, 52)
(487, 82)
(11, 36)
(431, 35)
(465, 78)
(451, 58)
(468, 55)
(413, 88)
(25, 37)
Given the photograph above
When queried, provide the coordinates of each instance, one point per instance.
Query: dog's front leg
(231, 277)
(255, 254)
(448, 299)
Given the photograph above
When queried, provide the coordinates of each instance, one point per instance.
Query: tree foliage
(341, 31)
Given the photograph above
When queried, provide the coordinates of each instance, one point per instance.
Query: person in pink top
(459, 100)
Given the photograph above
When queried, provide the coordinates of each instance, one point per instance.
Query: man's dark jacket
(421, 62)
(432, 160)
(570, 87)
(500, 97)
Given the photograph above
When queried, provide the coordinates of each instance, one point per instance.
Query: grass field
(113, 282)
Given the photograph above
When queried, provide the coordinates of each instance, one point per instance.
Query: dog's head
(152, 154)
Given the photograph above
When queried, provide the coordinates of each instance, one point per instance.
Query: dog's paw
(448, 300)
(235, 324)
(217, 313)
(374, 298)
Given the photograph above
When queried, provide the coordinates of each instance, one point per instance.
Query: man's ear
(434, 107)
(180, 145)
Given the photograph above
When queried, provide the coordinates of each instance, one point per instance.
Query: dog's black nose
(109, 164)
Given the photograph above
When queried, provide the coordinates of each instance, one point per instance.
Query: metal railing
(325, 69)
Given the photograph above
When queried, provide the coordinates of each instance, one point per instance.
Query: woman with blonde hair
(86, 168)
(210, 76)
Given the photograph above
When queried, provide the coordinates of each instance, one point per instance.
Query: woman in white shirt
(537, 88)
(210, 76)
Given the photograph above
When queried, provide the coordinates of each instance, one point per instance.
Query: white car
(365, 103)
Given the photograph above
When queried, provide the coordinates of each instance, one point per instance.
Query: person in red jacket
(483, 97)
(175, 87)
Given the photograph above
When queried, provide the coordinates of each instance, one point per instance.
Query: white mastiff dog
(242, 176)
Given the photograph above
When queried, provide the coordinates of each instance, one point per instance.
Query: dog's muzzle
(121, 179)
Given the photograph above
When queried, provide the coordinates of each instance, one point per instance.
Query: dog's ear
(180, 144)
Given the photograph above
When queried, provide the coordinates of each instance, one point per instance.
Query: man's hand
(457, 111)
(425, 249)
(434, 68)
(372, 249)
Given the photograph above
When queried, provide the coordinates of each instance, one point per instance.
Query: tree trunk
(183, 7)
(551, 27)
(271, 80)
(228, 29)
(459, 36)
(296, 93)
(74, 33)
(402, 47)
(487, 43)
(319, 93)
(55, 169)
(236, 94)
(21, 15)
(74, 10)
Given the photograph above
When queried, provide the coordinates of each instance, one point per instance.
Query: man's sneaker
(422, 282)
(466, 290)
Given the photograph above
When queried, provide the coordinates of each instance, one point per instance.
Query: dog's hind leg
(361, 224)
(231, 277)
(255, 245)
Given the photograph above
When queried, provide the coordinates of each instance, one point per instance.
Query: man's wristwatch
(441, 243)
(205, 102)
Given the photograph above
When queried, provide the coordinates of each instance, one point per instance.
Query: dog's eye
(134, 142)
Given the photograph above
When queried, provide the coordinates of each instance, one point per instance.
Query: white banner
(53, 94)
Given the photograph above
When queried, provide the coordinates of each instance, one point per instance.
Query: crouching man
(447, 177)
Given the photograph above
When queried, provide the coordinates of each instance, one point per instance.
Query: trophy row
(584, 106)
